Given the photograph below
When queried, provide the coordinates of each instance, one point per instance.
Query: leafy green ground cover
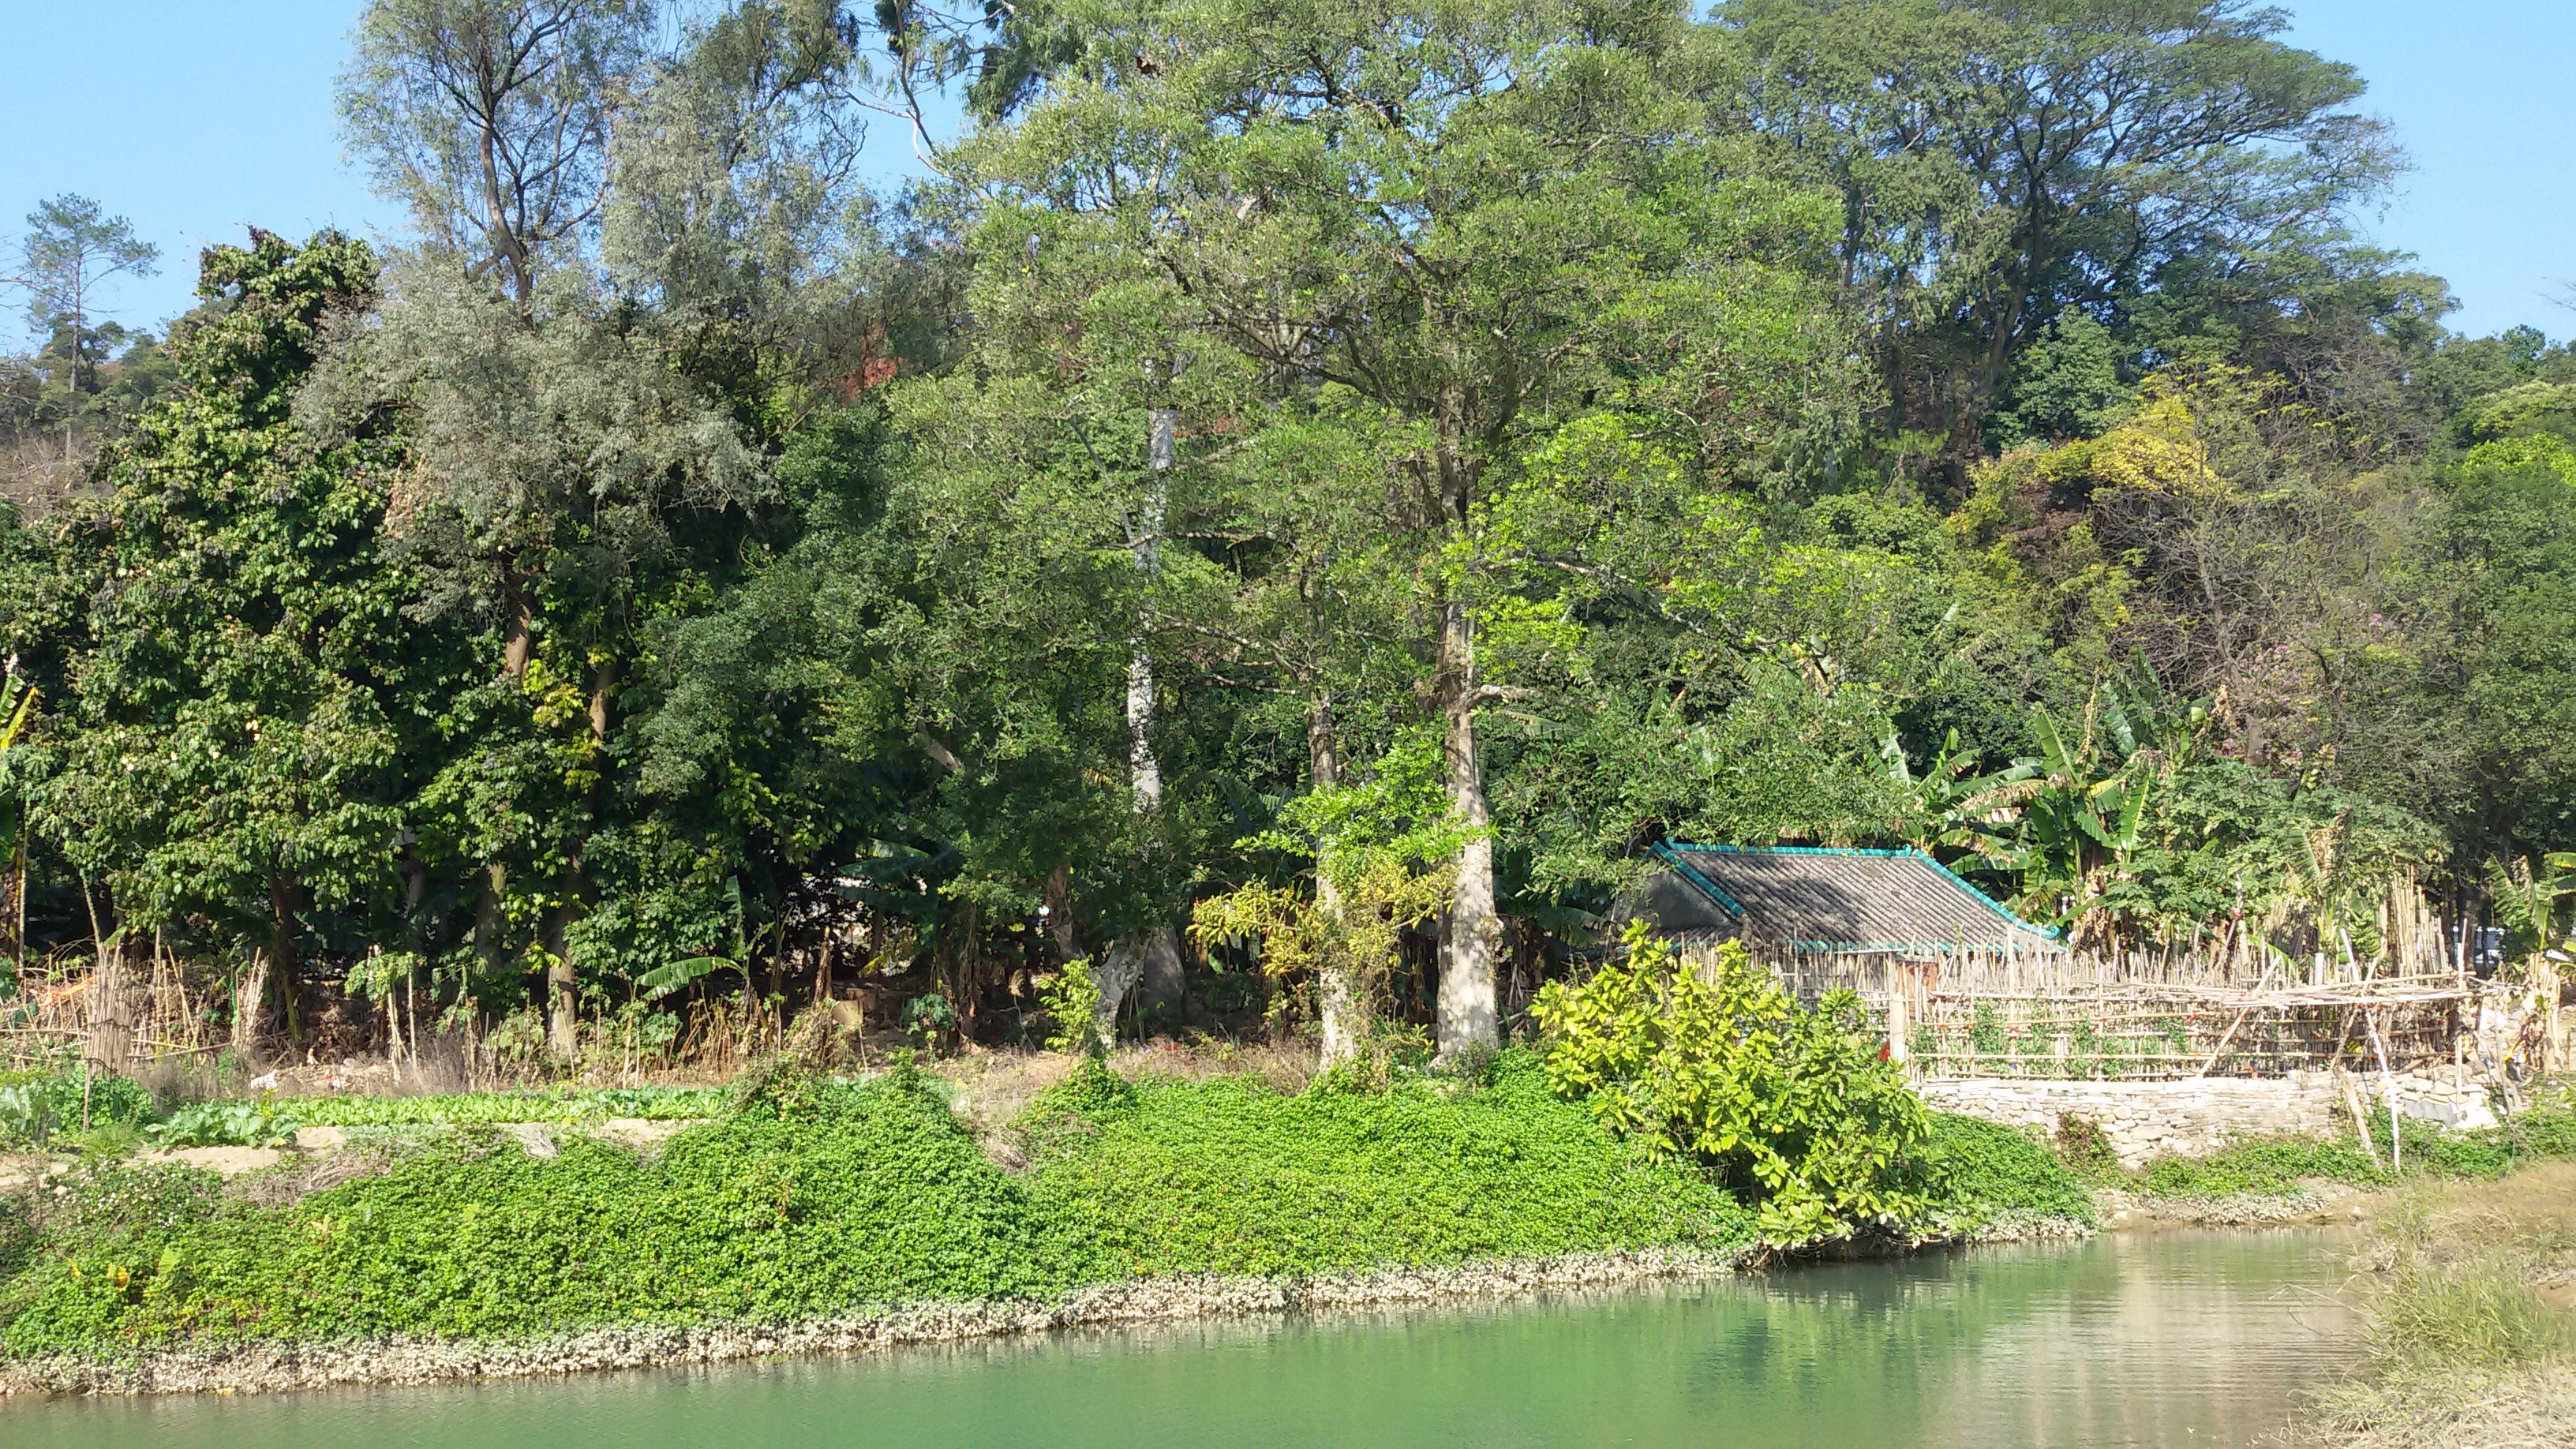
(1229, 1176)
(47, 1108)
(816, 1198)
(467, 1109)
(1983, 1173)
(2276, 1165)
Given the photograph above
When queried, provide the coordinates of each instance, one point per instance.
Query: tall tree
(1453, 218)
(579, 358)
(249, 698)
(491, 119)
(2003, 160)
(70, 250)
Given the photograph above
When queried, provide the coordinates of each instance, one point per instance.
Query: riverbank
(434, 1238)
(268, 1367)
(2468, 1291)
(821, 1216)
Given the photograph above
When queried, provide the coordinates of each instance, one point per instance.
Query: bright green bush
(1790, 1107)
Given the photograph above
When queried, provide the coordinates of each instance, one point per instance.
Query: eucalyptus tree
(492, 120)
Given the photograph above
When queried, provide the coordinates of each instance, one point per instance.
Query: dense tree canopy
(1347, 474)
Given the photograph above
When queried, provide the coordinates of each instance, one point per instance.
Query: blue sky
(194, 117)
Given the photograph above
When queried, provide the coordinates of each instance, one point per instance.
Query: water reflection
(2174, 1339)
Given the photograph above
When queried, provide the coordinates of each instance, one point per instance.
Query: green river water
(2168, 1339)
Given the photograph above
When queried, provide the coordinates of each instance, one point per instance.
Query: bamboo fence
(2245, 996)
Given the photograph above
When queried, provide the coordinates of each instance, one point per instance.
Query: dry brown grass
(994, 1088)
(2469, 1294)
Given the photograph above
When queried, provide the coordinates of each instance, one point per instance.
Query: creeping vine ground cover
(1228, 1176)
(812, 1198)
(2277, 1165)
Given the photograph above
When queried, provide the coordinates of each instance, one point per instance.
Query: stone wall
(2146, 1120)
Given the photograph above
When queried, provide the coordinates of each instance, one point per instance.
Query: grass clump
(2464, 1346)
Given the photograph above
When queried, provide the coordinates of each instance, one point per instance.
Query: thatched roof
(1835, 901)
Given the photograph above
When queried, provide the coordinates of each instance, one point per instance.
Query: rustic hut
(1867, 919)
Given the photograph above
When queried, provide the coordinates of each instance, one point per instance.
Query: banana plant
(675, 976)
(1952, 810)
(2093, 789)
(2533, 903)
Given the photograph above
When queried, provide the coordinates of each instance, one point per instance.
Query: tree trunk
(1059, 913)
(563, 997)
(1150, 961)
(490, 920)
(250, 1008)
(283, 960)
(1340, 1004)
(1472, 940)
(563, 986)
(518, 621)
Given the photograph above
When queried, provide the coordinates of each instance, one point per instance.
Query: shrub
(1792, 1108)
(2085, 1147)
(1982, 1172)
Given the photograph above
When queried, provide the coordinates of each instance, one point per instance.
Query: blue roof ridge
(1706, 886)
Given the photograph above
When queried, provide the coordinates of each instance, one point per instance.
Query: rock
(229, 1161)
(641, 1133)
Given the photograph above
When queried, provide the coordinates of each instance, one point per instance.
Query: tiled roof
(1851, 900)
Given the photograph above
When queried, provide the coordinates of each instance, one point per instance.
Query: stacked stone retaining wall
(2147, 1120)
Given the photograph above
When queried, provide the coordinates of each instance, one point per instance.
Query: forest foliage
(1351, 475)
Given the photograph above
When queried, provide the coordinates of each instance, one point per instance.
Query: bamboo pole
(2360, 1114)
(2388, 1082)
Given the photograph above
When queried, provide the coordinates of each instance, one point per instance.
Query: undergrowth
(467, 1109)
(813, 1198)
(877, 1195)
(2275, 1166)
(1229, 1176)
(48, 1110)
(1983, 1173)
